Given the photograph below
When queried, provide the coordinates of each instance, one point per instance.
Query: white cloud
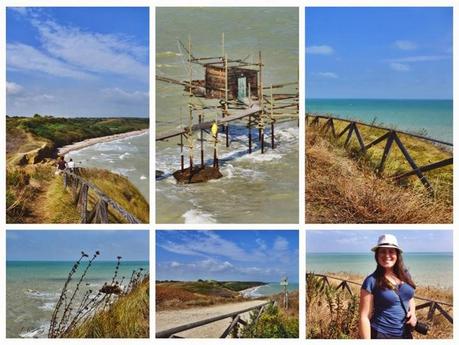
(327, 75)
(206, 243)
(399, 67)
(13, 88)
(420, 58)
(280, 244)
(320, 50)
(405, 45)
(98, 53)
(69, 51)
(120, 95)
(23, 57)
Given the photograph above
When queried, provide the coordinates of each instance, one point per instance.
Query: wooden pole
(190, 108)
(225, 112)
(202, 141)
(182, 159)
(250, 134)
(272, 118)
(215, 151)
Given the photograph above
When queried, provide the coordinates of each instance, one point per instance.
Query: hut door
(241, 88)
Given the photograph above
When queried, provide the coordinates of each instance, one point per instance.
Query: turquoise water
(431, 117)
(433, 269)
(33, 288)
(270, 289)
(127, 157)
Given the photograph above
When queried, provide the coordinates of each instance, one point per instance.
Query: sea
(433, 118)
(426, 269)
(33, 288)
(127, 157)
(269, 289)
(255, 188)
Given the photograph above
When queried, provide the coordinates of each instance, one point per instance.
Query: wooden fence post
(83, 202)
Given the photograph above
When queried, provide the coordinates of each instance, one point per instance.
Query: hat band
(387, 244)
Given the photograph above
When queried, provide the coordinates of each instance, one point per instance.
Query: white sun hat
(387, 241)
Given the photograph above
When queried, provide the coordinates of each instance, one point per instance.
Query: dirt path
(174, 318)
(38, 213)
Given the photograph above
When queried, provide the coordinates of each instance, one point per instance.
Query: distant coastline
(93, 141)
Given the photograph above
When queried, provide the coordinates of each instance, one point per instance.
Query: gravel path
(174, 318)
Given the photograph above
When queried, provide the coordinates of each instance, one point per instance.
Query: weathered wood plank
(378, 140)
(425, 168)
(412, 163)
(387, 148)
(231, 326)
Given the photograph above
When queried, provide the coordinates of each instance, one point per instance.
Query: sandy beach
(249, 293)
(88, 142)
(173, 318)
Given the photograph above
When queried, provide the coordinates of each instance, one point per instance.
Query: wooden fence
(426, 303)
(236, 319)
(390, 136)
(80, 192)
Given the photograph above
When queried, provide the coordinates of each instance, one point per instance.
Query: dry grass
(324, 321)
(179, 295)
(128, 317)
(343, 188)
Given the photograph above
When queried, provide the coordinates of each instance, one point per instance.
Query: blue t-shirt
(388, 314)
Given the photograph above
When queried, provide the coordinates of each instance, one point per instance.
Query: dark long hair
(399, 269)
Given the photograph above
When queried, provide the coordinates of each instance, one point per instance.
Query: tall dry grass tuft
(79, 308)
(341, 189)
(330, 314)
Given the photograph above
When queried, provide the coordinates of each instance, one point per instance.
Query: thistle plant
(75, 308)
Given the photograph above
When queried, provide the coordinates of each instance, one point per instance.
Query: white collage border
(301, 226)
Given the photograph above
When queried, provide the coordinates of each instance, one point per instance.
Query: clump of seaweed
(79, 303)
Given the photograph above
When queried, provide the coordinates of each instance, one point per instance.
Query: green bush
(272, 323)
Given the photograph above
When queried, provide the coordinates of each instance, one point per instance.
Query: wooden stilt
(250, 134)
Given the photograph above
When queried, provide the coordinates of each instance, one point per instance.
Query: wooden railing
(427, 303)
(80, 192)
(236, 319)
(390, 136)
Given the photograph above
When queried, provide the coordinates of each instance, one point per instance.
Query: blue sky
(244, 255)
(63, 245)
(379, 52)
(361, 241)
(81, 61)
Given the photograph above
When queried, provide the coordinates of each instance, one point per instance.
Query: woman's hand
(411, 318)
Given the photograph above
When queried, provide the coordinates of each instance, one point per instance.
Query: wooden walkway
(235, 316)
(427, 303)
(99, 214)
(390, 136)
(206, 125)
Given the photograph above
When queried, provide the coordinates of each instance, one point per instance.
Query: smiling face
(387, 257)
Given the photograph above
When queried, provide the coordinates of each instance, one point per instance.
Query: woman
(382, 315)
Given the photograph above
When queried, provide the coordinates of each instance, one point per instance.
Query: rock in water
(197, 175)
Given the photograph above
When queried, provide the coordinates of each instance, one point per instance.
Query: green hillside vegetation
(128, 317)
(342, 185)
(34, 194)
(175, 294)
(61, 131)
